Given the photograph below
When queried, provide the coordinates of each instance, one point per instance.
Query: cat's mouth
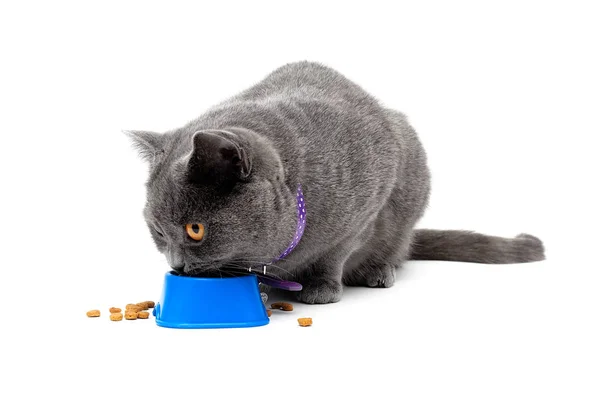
(213, 271)
(232, 270)
(216, 273)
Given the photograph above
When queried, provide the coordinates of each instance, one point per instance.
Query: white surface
(505, 99)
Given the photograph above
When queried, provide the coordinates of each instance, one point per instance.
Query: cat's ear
(217, 159)
(148, 144)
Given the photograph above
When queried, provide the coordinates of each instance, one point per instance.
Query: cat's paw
(321, 292)
(381, 275)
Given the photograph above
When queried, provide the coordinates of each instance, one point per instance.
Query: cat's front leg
(322, 281)
(321, 289)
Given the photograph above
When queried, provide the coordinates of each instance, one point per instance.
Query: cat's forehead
(173, 200)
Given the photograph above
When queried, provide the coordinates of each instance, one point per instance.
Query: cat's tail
(474, 247)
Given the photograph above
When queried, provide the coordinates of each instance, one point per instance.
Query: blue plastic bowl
(190, 302)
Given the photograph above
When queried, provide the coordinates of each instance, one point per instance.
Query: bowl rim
(203, 278)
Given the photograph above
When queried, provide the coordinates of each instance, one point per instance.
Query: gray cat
(234, 173)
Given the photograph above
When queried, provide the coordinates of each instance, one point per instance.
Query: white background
(504, 97)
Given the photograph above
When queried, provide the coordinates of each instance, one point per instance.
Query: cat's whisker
(257, 265)
(258, 259)
(279, 269)
(239, 267)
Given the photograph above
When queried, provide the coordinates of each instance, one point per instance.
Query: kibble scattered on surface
(130, 314)
(132, 311)
(116, 316)
(305, 321)
(282, 306)
(143, 314)
(133, 307)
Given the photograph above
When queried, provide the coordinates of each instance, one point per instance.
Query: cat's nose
(178, 268)
(175, 260)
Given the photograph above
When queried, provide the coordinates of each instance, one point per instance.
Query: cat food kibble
(130, 314)
(282, 306)
(305, 321)
(116, 316)
(133, 307)
(269, 312)
(132, 311)
(143, 314)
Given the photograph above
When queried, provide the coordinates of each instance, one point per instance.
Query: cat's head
(215, 197)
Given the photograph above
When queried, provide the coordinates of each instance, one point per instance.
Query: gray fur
(474, 247)
(362, 168)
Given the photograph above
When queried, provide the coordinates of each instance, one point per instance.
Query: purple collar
(301, 212)
(300, 225)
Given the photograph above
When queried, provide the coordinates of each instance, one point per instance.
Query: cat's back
(333, 136)
(309, 81)
(314, 114)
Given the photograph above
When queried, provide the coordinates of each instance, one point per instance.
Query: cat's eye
(195, 231)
